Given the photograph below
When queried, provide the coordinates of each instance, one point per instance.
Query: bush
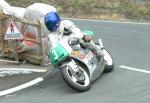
(132, 9)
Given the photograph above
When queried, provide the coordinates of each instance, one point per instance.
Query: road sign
(12, 32)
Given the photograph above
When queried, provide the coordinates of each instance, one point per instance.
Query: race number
(55, 54)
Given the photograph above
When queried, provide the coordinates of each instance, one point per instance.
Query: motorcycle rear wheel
(74, 82)
(109, 62)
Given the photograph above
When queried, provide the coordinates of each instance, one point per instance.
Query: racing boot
(99, 53)
(94, 48)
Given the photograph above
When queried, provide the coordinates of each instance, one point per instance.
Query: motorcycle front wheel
(79, 80)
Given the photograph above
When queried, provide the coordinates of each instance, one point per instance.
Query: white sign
(12, 32)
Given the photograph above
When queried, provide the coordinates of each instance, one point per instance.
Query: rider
(66, 27)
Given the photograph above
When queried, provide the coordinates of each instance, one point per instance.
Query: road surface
(128, 43)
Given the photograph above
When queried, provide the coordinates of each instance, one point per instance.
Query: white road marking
(14, 71)
(123, 22)
(134, 69)
(23, 69)
(23, 86)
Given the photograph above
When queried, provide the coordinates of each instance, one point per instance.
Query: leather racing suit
(67, 28)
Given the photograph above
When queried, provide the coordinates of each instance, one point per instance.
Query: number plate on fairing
(58, 54)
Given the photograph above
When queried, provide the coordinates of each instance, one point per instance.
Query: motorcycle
(79, 66)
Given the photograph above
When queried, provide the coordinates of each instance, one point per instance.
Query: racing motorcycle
(79, 66)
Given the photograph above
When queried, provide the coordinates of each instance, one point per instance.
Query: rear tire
(109, 62)
(70, 79)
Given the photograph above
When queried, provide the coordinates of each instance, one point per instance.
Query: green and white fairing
(59, 52)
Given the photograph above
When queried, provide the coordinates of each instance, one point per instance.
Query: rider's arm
(76, 32)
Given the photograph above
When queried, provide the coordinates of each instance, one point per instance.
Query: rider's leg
(94, 48)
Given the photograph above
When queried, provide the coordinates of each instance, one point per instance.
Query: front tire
(71, 79)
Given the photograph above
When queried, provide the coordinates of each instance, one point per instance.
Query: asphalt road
(128, 43)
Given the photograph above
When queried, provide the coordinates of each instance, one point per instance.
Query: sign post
(13, 34)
